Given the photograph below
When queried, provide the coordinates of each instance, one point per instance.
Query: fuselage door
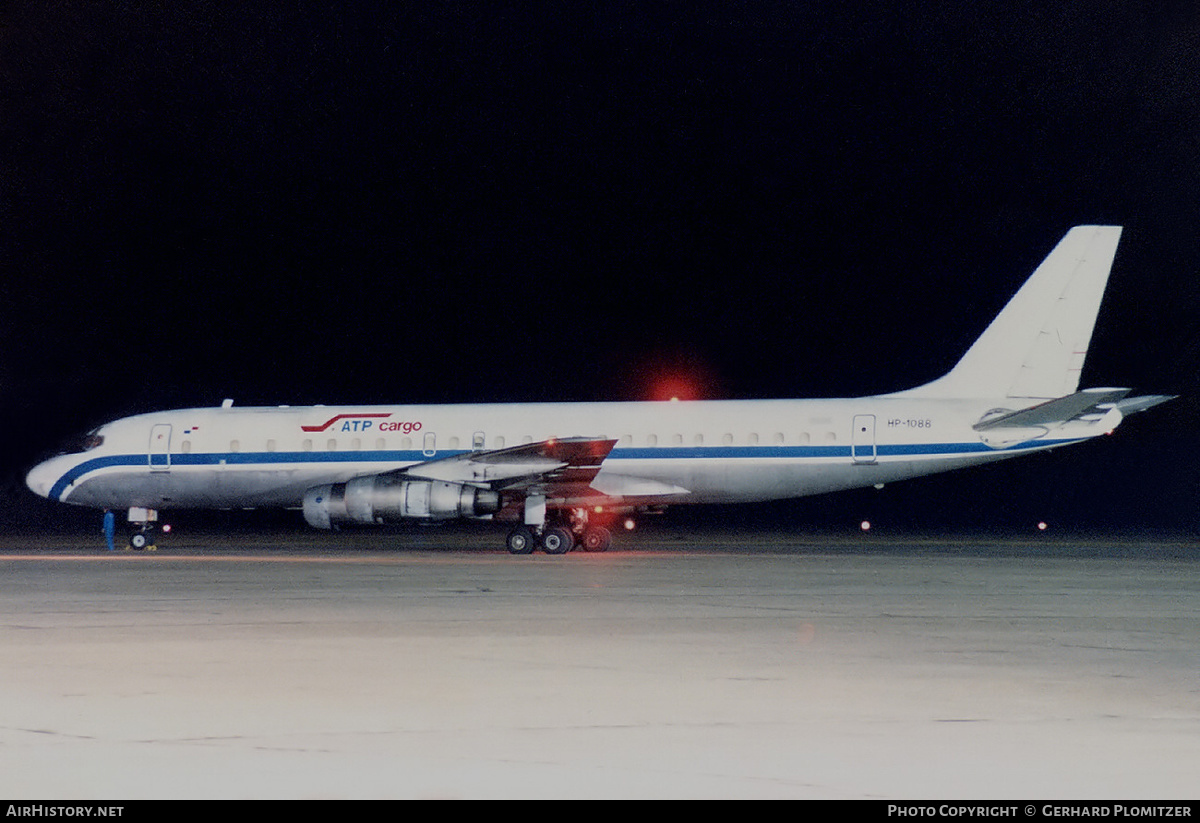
(862, 439)
(160, 447)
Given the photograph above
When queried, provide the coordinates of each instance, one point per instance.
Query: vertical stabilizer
(1036, 346)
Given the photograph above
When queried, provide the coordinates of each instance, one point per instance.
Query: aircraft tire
(138, 541)
(520, 540)
(557, 541)
(596, 539)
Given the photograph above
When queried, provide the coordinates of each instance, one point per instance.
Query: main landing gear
(559, 537)
(557, 540)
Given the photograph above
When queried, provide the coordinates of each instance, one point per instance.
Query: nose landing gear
(146, 521)
(143, 539)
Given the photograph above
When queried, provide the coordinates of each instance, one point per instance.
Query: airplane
(558, 472)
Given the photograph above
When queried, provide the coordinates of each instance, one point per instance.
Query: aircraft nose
(40, 479)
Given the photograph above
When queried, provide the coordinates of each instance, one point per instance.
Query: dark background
(461, 202)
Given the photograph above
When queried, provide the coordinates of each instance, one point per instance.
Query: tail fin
(1036, 346)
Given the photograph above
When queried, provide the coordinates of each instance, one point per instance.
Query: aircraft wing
(565, 464)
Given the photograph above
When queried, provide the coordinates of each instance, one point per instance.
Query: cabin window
(652, 440)
(356, 444)
(331, 444)
(830, 437)
(778, 438)
(430, 446)
(307, 444)
(626, 440)
(677, 440)
(185, 446)
(727, 439)
(380, 445)
(698, 440)
(805, 438)
(235, 445)
(752, 439)
(477, 442)
(499, 442)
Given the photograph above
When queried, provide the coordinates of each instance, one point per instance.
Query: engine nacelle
(381, 498)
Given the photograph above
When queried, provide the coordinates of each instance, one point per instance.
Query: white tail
(1036, 346)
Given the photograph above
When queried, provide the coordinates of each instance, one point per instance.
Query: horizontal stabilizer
(1133, 405)
(1054, 412)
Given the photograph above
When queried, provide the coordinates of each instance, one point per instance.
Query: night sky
(460, 202)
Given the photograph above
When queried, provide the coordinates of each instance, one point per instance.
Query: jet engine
(382, 498)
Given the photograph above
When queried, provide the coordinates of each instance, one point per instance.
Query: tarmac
(432, 664)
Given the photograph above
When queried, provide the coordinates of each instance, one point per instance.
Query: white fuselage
(546, 465)
(665, 452)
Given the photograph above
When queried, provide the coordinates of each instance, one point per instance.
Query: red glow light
(678, 376)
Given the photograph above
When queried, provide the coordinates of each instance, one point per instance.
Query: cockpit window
(85, 443)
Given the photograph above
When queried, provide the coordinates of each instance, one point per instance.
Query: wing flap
(568, 461)
(626, 486)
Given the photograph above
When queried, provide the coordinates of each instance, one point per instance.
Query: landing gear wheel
(142, 540)
(557, 541)
(520, 540)
(596, 539)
